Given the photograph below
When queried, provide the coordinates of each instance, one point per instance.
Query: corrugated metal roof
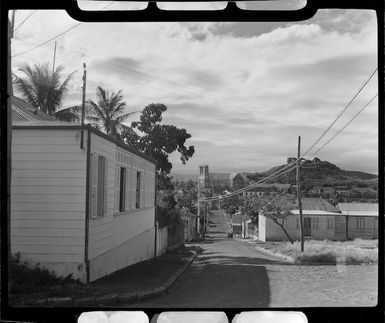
(314, 212)
(360, 213)
(317, 204)
(358, 207)
(24, 112)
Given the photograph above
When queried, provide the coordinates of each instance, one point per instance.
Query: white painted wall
(47, 203)
(268, 230)
(110, 236)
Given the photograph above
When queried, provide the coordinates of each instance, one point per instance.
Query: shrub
(24, 277)
(168, 217)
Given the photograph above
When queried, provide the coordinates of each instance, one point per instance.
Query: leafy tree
(187, 200)
(232, 204)
(108, 113)
(42, 88)
(277, 209)
(251, 208)
(158, 141)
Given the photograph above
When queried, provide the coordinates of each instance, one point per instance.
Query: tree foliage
(278, 208)
(232, 204)
(158, 141)
(41, 87)
(109, 112)
(251, 208)
(188, 200)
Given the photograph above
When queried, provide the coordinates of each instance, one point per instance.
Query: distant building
(321, 220)
(220, 179)
(239, 180)
(204, 180)
(262, 189)
(291, 160)
(362, 219)
(316, 160)
(363, 192)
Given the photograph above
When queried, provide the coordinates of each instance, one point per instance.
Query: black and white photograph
(194, 165)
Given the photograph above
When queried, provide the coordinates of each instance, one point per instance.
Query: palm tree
(108, 113)
(43, 88)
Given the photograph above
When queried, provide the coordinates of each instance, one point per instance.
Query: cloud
(244, 91)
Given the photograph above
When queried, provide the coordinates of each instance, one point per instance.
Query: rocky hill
(320, 173)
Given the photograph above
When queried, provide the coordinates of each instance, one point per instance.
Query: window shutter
(142, 189)
(93, 186)
(133, 188)
(127, 197)
(117, 187)
(105, 185)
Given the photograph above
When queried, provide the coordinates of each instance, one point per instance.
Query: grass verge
(328, 252)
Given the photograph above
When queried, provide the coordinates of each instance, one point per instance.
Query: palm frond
(123, 117)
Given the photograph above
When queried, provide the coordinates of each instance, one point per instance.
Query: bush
(24, 277)
(168, 217)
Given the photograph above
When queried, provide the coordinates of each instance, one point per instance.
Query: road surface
(231, 273)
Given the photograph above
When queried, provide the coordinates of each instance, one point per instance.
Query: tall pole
(199, 210)
(11, 27)
(54, 59)
(11, 32)
(83, 105)
(299, 192)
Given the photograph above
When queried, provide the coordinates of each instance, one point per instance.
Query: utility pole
(54, 59)
(8, 108)
(12, 30)
(199, 210)
(299, 192)
(83, 106)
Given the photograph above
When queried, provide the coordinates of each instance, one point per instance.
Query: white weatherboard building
(322, 221)
(86, 212)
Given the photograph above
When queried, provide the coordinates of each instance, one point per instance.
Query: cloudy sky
(244, 91)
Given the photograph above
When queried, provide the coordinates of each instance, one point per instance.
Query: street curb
(285, 258)
(110, 299)
(163, 288)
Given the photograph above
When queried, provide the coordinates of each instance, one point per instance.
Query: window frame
(137, 189)
(122, 189)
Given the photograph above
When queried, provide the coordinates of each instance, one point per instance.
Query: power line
(288, 166)
(57, 36)
(254, 184)
(340, 114)
(349, 122)
(47, 41)
(24, 20)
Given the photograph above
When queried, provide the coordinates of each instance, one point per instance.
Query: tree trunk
(284, 231)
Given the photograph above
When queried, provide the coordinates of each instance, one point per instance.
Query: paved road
(231, 273)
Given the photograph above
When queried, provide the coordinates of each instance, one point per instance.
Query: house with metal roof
(361, 219)
(321, 220)
(86, 210)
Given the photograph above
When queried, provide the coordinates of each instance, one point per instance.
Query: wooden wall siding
(370, 230)
(136, 164)
(101, 228)
(48, 195)
(109, 231)
(132, 224)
